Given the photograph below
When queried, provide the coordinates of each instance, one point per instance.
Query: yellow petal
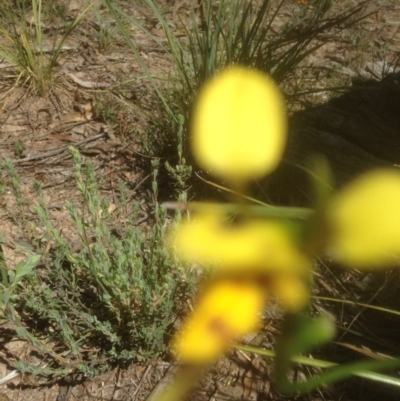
(365, 220)
(291, 291)
(247, 245)
(239, 125)
(228, 309)
(197, 343)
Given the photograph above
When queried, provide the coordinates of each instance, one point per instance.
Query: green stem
(251, 210)
(359, 369)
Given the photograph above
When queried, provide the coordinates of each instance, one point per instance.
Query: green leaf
(25, 267)
(11, 276)
(300, 334)
(339, 373)
(6, 296)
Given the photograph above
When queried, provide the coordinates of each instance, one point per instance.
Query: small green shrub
(112, 301)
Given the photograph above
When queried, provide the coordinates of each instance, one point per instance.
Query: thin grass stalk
(37, 18)
(70, 28)
(357, 369)
(115, 11)
(174, 44)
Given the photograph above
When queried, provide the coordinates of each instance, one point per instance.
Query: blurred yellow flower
(228, 309)
(248, 245)
(239, 125)
(291, 291)
(365, 221)
(238, 133)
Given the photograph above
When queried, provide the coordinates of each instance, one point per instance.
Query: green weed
(110, 299)
(22, 44)
(106, 30)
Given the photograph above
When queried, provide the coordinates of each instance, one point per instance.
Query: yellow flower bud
(365, 221)
(291, 291)
(228, 309)
(239, 125)
(249, 245)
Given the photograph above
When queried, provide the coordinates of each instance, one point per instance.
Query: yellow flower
(365, 220)
(291, 291)
(238, 133)
(228, 309)
(248, 245)
(239, 125)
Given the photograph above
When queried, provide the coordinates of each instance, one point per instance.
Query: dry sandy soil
(35, 132)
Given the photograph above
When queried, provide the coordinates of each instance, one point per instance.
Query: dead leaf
(91, 151)
(112, 208)
(128, 175)
(62, 137)
(83, 113)
(75, 5)
(80, 129)
(87, 84)
(73, 117)
(120, 161)
(108, 146)
(364, 351)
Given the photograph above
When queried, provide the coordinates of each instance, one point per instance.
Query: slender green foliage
(110, 299)
(24, 48)
(222, 34)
